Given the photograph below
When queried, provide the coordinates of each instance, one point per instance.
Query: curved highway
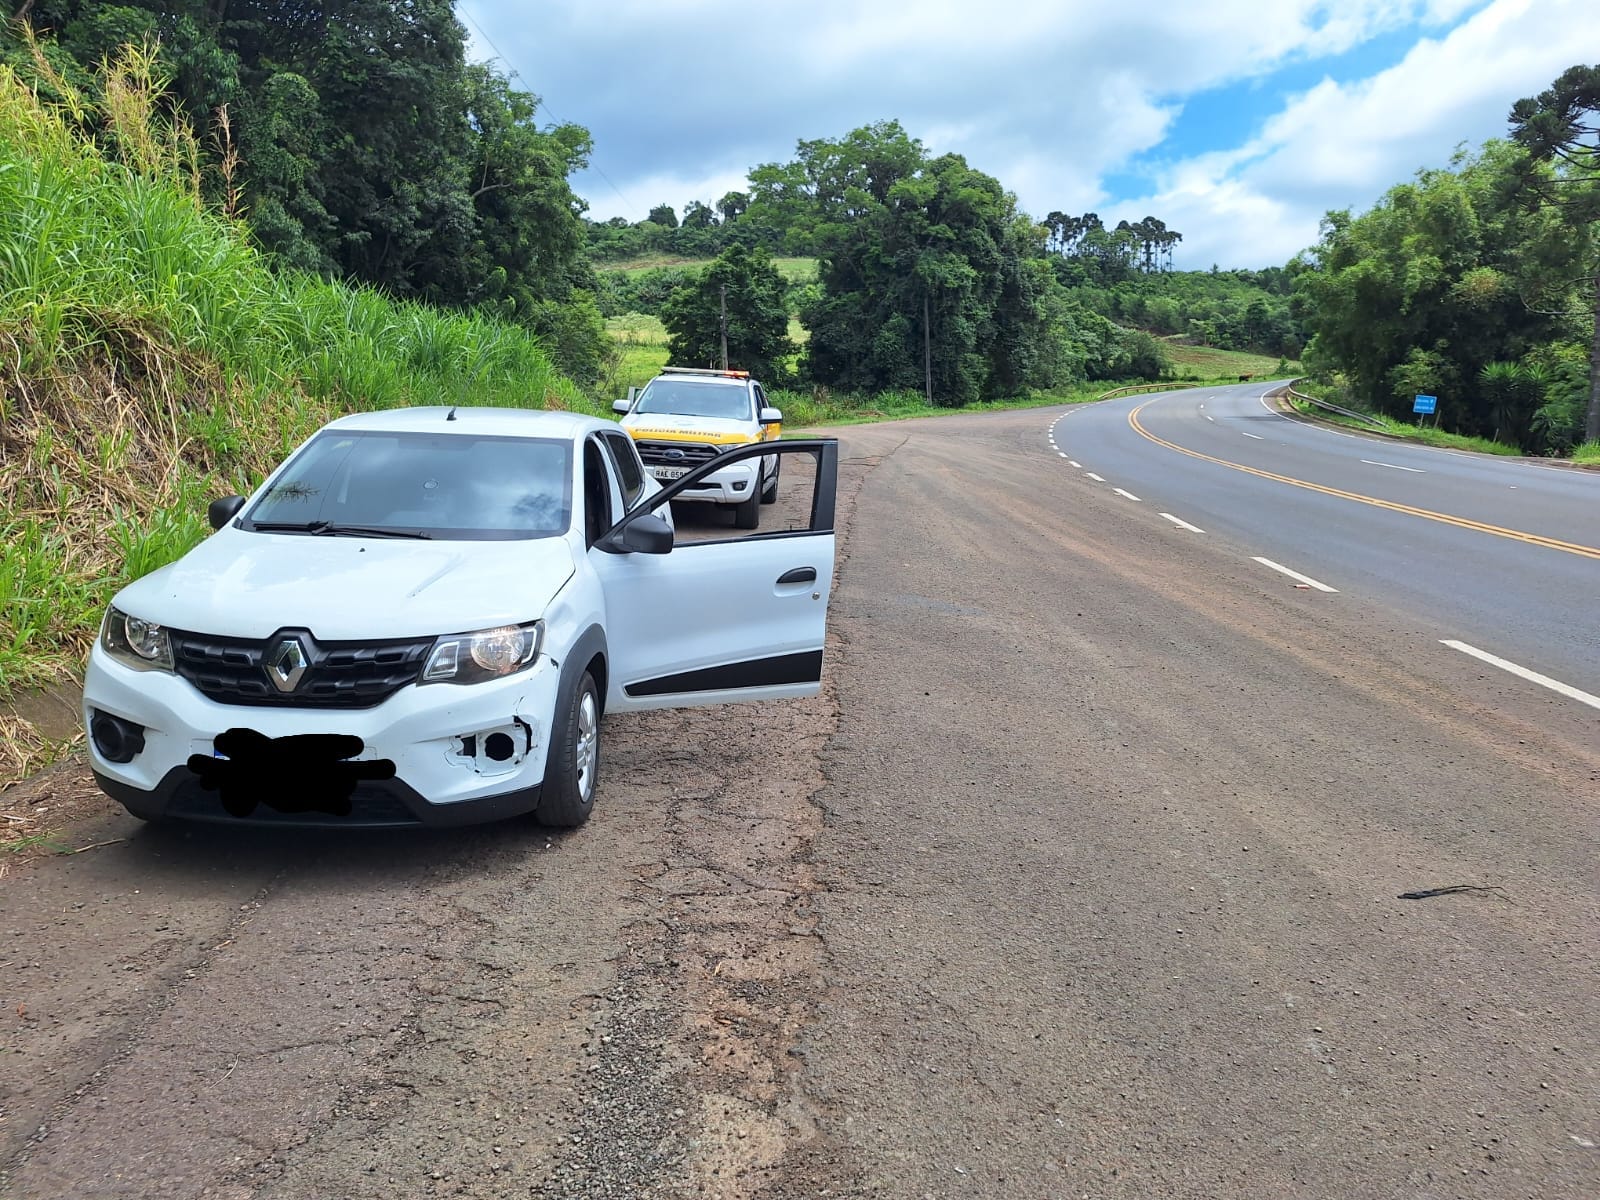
(1500, 554)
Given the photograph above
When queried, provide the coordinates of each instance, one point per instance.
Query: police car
(688, 416)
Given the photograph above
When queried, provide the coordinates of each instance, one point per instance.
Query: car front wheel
(748, 514)
(567, 798)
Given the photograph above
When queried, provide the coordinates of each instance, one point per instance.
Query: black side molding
(804, 667)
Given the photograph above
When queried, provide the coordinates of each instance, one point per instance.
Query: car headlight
(486, 654)
(135, 642)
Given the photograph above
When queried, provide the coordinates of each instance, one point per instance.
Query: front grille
(337, 674)
(676, 454)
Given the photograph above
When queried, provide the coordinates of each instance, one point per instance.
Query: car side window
(597, 493)
(760, 397)
(629, 471)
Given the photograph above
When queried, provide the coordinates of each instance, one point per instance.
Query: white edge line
(1129, 495)
(1182, 524)
(1096, 478)
(1305, 579)
(1555, 685)
(1394, 466)
(1210, 418)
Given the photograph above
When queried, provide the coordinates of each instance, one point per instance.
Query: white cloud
(1342, 145)
(1052, 97)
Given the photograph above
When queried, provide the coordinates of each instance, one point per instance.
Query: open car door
(706, 614)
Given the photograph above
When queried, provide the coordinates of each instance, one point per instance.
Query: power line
(528, 87)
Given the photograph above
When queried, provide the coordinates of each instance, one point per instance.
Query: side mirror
(771, 416)
(619, 406)
(220, 512)
(645, 534)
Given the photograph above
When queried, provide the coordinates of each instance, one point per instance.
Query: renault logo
(286, 664)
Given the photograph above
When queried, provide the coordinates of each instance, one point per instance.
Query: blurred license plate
(669, 472)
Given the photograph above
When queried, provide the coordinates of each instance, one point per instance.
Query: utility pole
(722, 291)
(927, 353)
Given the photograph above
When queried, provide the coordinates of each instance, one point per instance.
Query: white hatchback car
(420, 617)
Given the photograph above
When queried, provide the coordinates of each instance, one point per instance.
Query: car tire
(573, 771)
(748, 514)
(770, 494)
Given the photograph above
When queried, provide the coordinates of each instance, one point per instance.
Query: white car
(421, 616)
(687, 415)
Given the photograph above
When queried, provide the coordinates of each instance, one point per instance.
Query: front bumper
(731, 485)
(438, 737)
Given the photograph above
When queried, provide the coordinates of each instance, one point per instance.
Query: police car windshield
(696, 398)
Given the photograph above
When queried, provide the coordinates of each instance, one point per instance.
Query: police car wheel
(748, 514)
(770, 493)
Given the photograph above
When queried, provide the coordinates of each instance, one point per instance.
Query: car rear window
(448, 486)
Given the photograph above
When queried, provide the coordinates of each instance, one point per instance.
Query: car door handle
(798, 575)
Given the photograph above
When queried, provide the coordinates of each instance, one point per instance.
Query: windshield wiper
(330, 529)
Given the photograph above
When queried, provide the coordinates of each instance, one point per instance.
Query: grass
(1208, 362)
(150, 360)
(1425, 435)
(1589, 452)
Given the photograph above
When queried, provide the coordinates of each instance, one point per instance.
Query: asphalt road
(1502, 591)
(1085, 877)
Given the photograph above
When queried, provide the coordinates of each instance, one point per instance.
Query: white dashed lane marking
(1181, 524)
(1305, 579)
(1555, 685)
(1096, 478)
(1121, 492)
(1257, 436)
(1394, 467)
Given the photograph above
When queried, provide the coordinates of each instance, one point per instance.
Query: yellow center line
(1533, 539)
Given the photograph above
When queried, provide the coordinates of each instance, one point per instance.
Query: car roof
(494, 422)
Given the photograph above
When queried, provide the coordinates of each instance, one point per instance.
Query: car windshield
(695, 398)
(457, 486)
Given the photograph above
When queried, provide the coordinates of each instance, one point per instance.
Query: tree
(663, 216)
(740, 295)
(924, 273)
(1422, 291)
(1560, 127)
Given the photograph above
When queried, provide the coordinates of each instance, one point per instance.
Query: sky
(1237, 122)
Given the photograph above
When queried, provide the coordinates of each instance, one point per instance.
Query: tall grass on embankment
(149, 360)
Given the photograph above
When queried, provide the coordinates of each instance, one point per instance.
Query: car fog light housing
(135, 642)
(483, 655)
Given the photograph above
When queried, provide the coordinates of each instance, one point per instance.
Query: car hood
(717, 430)
(250, 585)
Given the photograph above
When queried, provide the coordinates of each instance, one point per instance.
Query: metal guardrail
(1288, 389)
(1134, 388)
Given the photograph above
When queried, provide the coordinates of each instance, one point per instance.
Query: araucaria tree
(1560, 128)
(738, 303)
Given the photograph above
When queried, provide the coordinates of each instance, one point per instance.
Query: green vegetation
(1588, 453)
(151, 360)
(1426, 435)
(1478, 284)
(1208, 362)
(360, 144)
(734, 309)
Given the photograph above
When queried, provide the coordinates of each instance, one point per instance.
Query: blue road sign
(1425, 404)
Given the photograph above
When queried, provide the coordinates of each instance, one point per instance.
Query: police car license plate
(669, 472)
